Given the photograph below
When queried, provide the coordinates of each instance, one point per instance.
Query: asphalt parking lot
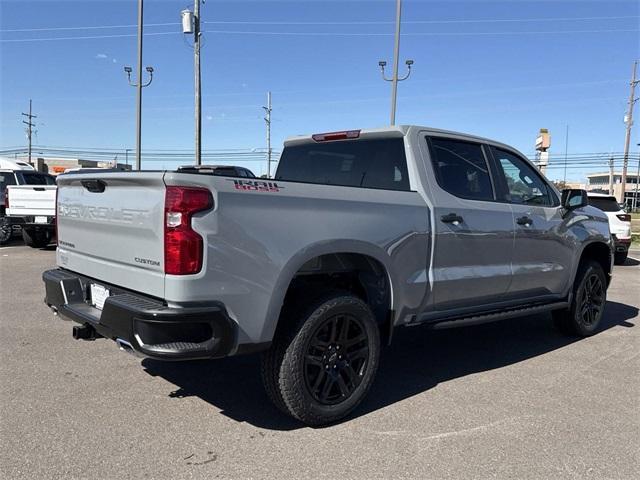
(509, 400)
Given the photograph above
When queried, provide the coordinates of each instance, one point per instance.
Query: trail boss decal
(256, 185)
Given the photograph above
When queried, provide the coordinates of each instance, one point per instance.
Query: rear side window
(461, 168)
(6, 179)
(34, 178)
(379, 163)
(606, 204)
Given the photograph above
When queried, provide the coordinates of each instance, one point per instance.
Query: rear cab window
(606, 204)
(364, 163)
(36, 178)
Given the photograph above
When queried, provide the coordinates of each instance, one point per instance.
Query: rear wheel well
(601, 253)
(361, 275)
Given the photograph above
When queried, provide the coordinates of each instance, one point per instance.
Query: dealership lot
(513, 399)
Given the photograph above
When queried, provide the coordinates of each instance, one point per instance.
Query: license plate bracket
(99, 295)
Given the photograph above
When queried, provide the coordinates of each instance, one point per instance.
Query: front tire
(620, 257)
(323, 365)
(588, 300)
(36, 238)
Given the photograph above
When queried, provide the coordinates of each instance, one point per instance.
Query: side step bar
(494, 316)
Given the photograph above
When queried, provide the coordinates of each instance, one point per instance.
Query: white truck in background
(28, 203)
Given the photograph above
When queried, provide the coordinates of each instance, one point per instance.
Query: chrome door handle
(526, 221)
(451, 218)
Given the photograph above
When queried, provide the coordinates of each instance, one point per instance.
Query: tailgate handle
(39, 189)
(94, 186)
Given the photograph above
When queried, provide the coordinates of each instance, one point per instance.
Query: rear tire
(589, 297)
(36, 238)
(5, 230)
(321, 367)
(620, 257)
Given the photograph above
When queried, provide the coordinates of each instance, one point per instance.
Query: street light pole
(139, 86)
(396, 54)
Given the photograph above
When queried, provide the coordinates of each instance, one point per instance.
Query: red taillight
(6, 199)
(327, 137)
(183, 247)
(625, 217)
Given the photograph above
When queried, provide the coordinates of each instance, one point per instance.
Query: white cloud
(102, 55)
(209, 117)
(114, 60)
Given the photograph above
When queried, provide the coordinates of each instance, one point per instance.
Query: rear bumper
(621, 244)
(144, 323)
(30, 221)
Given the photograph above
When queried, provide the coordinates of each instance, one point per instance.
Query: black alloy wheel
(336, 359)
(591, 300)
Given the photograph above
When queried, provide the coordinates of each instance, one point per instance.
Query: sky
(499, 69)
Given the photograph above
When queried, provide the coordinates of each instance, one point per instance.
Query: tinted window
(524, 184)
(606, 204)
(249, 173)
(34, 178)
(377, 163)
(461, 168)
(226, 172)
(6, 178)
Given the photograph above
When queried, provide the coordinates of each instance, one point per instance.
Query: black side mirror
(574, 198)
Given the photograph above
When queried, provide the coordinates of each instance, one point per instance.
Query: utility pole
(635, 197)
(191, 25)
(629, 121)
(29, 125)
(611, 175)
(267, 120)
(566, 153)
(139, 86)
(196, 61)
(396, 54)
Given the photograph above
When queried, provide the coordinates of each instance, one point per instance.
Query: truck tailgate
(111, 228)
(36, 200)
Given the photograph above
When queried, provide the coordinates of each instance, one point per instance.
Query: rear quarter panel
(257, 240)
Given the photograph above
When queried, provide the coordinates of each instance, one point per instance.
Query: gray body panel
(256, 240)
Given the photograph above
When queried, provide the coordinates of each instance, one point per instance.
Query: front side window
(461, 168)
(524, 184)
(378, 163)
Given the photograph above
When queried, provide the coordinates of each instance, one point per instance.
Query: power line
(324, 34)
(408, 22)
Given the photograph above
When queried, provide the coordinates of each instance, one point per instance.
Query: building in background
(56, 166)
(600, 183)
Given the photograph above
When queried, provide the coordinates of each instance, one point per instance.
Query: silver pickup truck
(359, 232)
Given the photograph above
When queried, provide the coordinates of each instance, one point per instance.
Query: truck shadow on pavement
(418, 360)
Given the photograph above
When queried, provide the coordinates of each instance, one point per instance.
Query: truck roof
(398, 131)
